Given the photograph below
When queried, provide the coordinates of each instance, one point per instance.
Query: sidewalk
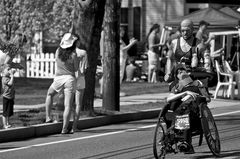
(126, 100)
(84, 123)
(135, 99)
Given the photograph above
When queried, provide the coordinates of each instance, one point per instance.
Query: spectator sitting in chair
(133, 71)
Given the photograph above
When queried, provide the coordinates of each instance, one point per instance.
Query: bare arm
(173, 96)
(168, 66)
(132, 42)
(217, 53)
(211, 37)
(10, 82)
(155, 45)
(170, 59)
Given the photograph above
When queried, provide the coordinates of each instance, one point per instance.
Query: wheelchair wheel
(210, 130)
(159, 145)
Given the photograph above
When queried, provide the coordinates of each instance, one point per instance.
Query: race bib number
(182, 122)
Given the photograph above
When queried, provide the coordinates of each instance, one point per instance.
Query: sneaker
(186, 148)
(49, 121)
(73, 130)
(7, 126)
(190, 149)
(66, 132)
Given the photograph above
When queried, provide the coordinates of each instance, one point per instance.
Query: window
(124, 16)
(137, 22)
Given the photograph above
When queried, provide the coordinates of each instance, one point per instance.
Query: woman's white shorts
(64, 82)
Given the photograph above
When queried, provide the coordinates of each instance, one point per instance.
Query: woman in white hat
(64, 80)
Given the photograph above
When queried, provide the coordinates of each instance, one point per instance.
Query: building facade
(139, 15)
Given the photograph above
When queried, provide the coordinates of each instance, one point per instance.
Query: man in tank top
(183, 49)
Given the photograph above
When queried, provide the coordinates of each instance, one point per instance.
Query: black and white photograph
(119, 79)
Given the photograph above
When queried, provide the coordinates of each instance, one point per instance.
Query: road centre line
(98, 135)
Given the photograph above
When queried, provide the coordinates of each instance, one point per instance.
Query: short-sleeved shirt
(8, 90)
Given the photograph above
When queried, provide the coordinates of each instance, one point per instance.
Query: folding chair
(236, 75)
(226, 82)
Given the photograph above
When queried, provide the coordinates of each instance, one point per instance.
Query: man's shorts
(80, 82)
(64, 82)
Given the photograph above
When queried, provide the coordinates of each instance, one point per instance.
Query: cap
(68, 40)
(178, 67)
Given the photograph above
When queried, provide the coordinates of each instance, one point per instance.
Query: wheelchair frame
(208, 129)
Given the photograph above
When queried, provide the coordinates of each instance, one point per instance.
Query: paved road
(132, 140)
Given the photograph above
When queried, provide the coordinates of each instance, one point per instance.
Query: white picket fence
(38, 65)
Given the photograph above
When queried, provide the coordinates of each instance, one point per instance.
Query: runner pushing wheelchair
(186, 113)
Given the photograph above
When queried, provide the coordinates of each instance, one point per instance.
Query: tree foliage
(28, 16)
(84, 17)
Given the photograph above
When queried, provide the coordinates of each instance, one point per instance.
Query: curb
(22, 133)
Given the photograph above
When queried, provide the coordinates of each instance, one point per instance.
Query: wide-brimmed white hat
(67, 40)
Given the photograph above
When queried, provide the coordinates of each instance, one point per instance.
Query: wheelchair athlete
(180, 102)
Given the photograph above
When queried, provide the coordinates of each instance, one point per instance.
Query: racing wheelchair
(170, 128)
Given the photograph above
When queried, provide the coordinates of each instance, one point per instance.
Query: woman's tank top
(64, 68)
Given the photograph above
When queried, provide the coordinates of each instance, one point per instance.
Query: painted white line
(232, 157)
(94, 136)
(75, 139)
(222, 114)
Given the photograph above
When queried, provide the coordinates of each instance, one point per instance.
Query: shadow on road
(113, 154)
(223, 154)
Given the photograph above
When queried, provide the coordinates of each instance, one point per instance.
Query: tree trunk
(87, 23)
(111, 81)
